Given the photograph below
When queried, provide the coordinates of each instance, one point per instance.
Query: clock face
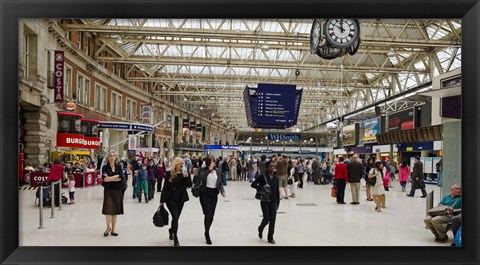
(341, 32)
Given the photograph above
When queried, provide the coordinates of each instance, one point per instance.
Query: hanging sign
(58, 76)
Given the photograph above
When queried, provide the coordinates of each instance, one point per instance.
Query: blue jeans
(224, 178)
(250, 175)
(440, 178)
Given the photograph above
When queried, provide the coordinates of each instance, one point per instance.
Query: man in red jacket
(341, 179)
(56, 173)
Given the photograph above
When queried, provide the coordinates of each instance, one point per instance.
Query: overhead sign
(272, 106)
(141, 127)
(402, 120)
(370, 129)
(229, 147)
(284, 137)
(114, 125)
(58, 76)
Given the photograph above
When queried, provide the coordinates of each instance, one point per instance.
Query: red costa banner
(89, 179)
(70, 140)
(58, 76)
(91, 142)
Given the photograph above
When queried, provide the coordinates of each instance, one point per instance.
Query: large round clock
(341, 32)
(315, 35)
(326, 51)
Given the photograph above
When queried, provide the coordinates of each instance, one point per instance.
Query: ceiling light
(265, 47)
(201, 107)
(119, 40)
(184, 99)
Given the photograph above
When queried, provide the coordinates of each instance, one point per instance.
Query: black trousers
(417, 185)
(151, 188)
(175, 209)
(300, 179)
(269, 210)
(56, 188)
(208, 200)
(159, 185)
(341, 190)
(71, 194)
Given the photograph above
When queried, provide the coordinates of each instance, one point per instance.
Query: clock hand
(341, 25)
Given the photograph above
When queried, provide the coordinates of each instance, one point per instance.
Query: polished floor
(321, 222)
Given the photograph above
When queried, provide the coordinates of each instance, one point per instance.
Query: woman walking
(112, 176)
(377, 190)
(403, 173)
(293, 171)
(211, 186)
(175, 194)
(369, 167)
(269, 208)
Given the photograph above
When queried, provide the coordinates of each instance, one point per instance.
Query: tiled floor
(236, 221)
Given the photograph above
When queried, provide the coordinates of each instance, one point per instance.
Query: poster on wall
(371, 128)
(348, 135)
(193, 129)
(185, 124)
(199, 131)
(402, 120)
(146, 114)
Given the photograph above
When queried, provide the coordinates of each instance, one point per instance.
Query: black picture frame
(11, 11)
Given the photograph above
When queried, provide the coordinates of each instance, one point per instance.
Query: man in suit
(355, 173)
(418, 182)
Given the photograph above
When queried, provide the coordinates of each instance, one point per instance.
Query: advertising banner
(402, 120)
(349, 135)
(132, 142)
(58, 76)
(146, 114)
(193, 129)
(89, 179)
(70, 140)
(199, 130)
(185, 125)
(92, 142)
(371, 128)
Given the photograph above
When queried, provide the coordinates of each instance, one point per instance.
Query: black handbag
(372, 181)
(263, 193)
(160, 218)
(196, 189)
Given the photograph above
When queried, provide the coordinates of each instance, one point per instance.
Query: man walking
(355, 173)
(417, 177)
(225, 169)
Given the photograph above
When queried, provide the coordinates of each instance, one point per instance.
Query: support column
(105, 137)
(35, 136)
(452, 155)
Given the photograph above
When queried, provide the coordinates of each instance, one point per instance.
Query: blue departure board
(272, 106)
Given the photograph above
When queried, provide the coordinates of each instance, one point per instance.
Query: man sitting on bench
(437, 223)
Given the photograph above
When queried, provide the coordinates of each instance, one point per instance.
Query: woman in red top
(404, 173)
(341, 179)
(56, 173)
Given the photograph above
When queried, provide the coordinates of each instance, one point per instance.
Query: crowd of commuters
(284, 175)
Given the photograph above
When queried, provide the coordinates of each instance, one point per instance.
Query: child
(142, 184)
(71, 188)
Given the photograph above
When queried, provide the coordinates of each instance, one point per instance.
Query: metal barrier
(52, 200)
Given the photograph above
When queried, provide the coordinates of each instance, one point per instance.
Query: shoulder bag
(158, 220)
(437, 211)
(263, 193)
(372, 181)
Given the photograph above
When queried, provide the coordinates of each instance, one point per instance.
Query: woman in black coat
(211, 186)
(175, 194)
(269, 209)
(112, 176)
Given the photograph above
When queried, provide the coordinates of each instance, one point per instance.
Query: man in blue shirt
(437, 223)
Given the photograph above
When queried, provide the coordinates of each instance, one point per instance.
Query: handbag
(290, 181)
(333, 193)
(196, 188)
(263, 193)
(160, 218)
(437, 211)
(371, 181)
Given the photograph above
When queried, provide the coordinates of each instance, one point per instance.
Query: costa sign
(58, 76)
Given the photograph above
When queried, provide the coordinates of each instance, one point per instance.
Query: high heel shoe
(106, 233)
(175, 242)
(260, 234)
(271, 241)
(114, 234)
(207, 238)
(170, 236)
